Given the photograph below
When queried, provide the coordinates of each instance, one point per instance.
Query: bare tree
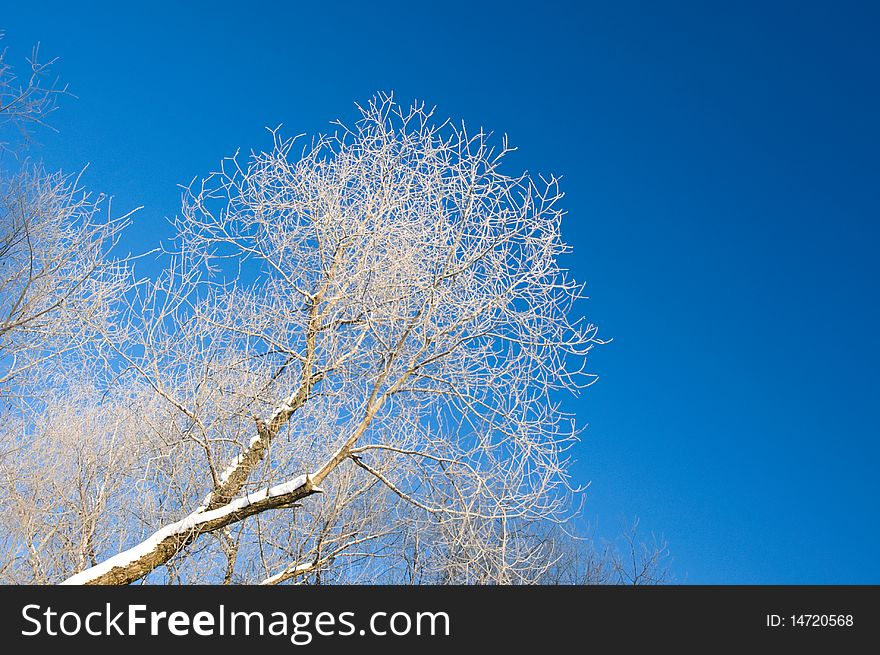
(57, 285)
(349, 370)
(55, 275)
(579, 559)
(382, 320)
(56, 281)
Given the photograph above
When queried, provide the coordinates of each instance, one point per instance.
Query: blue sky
(721, 171)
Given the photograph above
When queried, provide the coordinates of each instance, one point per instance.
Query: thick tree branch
(136, 562)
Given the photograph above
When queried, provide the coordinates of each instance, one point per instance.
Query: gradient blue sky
(721, 168)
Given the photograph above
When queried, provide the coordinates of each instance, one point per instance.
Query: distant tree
(628, 560)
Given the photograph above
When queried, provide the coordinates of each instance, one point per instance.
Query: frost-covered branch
(136, 562)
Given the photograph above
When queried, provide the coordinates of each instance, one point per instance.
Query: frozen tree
(349, 369)
(367, 333)
(55, 276)
(56, 281)
(58, 287)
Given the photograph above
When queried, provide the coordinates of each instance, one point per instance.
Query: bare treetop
(26, 101)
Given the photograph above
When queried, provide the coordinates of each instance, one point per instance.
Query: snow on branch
(136, 562)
